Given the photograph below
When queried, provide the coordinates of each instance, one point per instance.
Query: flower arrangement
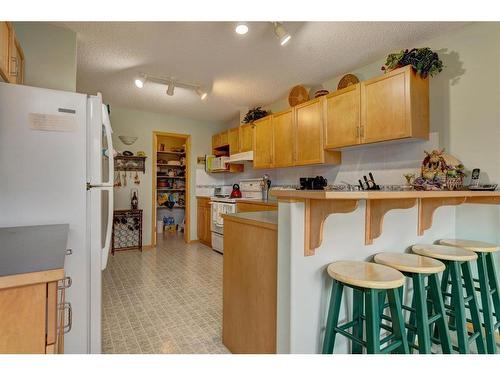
(424, 61)
(440, 171)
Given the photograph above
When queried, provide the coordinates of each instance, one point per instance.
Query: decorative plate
(298, 95)
(347, 80)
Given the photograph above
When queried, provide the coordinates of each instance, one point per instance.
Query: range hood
(241, 157)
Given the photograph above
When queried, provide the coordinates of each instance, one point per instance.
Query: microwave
(217, 163)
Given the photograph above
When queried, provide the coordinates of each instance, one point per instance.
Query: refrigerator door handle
(109, 140)
(107, 242)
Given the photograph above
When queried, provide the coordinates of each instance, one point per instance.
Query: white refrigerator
(54, 169)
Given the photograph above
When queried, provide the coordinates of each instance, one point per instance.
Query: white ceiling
(238, 71)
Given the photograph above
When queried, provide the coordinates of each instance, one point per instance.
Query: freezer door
(43, 180)
(100, 206)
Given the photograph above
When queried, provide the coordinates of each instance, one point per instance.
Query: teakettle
(236, 193)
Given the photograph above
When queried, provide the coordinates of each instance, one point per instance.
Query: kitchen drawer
(251, 207)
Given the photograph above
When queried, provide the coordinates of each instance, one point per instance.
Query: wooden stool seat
(476, 246)
(411, 263)
(366, 274)
(442, 252)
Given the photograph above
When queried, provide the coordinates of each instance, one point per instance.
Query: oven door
(217, 224)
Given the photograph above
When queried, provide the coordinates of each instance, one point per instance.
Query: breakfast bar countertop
(32, 254)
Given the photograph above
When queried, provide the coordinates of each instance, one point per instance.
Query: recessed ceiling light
(241, 28)
(281, 33)
(139, 82)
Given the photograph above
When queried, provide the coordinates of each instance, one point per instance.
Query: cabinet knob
(69, 251)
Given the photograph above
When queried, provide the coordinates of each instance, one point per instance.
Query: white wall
(142, 124)
(50, 55)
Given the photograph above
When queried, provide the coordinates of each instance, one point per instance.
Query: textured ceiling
(238, 71)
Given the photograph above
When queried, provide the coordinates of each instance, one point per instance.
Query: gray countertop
(264, 217)
(32, 249)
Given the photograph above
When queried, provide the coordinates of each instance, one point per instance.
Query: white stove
(221, 205)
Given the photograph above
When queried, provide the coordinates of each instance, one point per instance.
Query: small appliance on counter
(313, 183)
(223, 191)
(236, 193)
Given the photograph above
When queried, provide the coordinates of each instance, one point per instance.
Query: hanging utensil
(137, 181)
(124, 178)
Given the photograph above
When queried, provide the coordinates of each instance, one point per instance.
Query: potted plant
(254, 114)
(423, 60)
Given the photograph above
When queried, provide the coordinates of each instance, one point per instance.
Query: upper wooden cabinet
(395, 106)
(309, 135)
(11, 55)
(263, 143)
(342, 117)
(220, 140)
(246, 137)
(283, 139)
(233, 137)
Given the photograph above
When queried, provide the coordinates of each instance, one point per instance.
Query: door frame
(187, 209)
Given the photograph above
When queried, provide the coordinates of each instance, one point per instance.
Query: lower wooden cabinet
(249, 287)
(204, 221)
(32, 319)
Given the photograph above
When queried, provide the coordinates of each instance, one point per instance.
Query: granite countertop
(33, 249)
(268, 219)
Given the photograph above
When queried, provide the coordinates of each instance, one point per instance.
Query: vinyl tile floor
(164, 300)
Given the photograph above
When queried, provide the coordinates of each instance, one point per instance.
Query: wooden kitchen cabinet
(263, 143)
(5, 32)
(283, 139)
(203, 221)
(223, 139)
(249, 312)
(309, 135)
(233, 136)
(31, 319)
(342, 117)
(395, 106)
(11, 55)
(246, 137)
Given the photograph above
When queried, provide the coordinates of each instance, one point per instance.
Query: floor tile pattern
(165, 300)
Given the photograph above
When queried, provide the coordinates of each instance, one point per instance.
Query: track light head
(281, 33)
(202, 94)
(170, 88)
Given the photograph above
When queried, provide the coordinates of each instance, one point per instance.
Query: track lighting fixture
(281, 33)
(171, 84)
(241, 28)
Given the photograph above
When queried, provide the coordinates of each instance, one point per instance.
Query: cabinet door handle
(16, 71)
(67, 327)
(69, 251)
(65, 283)
(362, 130)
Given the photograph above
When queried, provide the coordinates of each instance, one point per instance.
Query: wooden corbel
(427, 206)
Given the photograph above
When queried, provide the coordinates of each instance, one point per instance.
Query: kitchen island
(249, 286)
(316, 228)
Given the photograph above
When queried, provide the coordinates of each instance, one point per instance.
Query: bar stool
(488, 285)
(418, 268)
(457, 263)
(369, 282)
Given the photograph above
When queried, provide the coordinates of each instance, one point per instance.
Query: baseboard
(193, 241)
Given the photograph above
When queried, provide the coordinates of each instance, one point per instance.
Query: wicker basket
(454, 183)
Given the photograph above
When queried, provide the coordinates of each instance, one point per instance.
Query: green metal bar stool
(457, 263)
(488, 286)
(418, 269)
(370, 283)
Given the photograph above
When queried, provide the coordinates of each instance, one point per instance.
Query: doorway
(170, 173)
